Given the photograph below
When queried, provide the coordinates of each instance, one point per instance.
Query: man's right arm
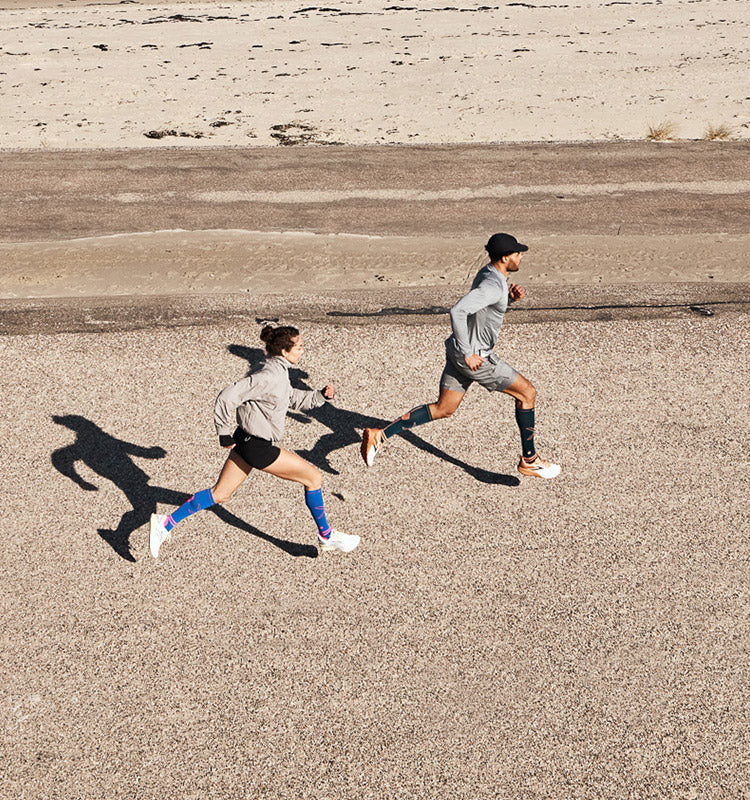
(484, 295)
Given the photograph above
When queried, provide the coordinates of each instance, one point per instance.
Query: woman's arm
(232, 397)
(305, 399)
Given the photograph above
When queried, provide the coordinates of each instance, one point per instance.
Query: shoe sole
(154, 545)
(331, 548)
(152, 537)
(369, 443)
(535, 473)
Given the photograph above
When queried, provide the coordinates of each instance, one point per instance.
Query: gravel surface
(492, 637)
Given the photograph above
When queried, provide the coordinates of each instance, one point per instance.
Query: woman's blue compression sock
(417, 416)
(197, 502)
(314, 501)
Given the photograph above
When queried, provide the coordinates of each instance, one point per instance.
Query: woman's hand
(328, 392)
(226, 441)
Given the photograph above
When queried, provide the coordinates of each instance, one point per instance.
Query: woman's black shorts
(257, 452)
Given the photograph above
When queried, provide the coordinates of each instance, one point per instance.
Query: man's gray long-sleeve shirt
(258, 403)
(477, 317)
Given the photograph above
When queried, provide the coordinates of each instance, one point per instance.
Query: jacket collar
(282, 361)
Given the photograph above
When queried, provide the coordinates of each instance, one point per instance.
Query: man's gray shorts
(494, 374)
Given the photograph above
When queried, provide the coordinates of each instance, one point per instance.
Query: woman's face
(294, 354)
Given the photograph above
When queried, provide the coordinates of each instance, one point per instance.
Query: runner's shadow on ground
(112, 459)
(346, 427)
(254, 356)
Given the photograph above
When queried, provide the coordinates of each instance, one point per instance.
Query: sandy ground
(217, 263)
(309, 220)
(491, 638)
(87, 75)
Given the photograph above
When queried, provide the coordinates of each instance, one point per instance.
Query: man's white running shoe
(372, 438)
(539, 468)
(159, 534)
(343, 542)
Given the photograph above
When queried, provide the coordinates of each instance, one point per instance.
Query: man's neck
(500, 267)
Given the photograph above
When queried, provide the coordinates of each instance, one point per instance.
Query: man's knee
(441, 412)
(525, 394)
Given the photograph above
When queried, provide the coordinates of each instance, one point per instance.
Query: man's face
(513, 261)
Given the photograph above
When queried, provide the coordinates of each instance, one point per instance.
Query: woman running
(258, 405)
(469, 358)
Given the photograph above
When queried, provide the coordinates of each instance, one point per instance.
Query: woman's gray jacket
(258, 403)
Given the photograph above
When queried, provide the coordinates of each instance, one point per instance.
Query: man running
(476, 320)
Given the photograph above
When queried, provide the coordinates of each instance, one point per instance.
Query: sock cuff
(418, 415)
(203, 499)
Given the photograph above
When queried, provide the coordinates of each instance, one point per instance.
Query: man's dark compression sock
(525, 421)
(417, 416)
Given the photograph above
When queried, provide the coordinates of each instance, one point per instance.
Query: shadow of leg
(291, 548)
(119, 539)
(483, 475)
(326, 445)
(143, 499)
(346, 428)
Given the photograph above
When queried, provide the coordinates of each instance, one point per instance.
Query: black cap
(501, 244)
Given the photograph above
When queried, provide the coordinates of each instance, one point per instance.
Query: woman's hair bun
(278, 339)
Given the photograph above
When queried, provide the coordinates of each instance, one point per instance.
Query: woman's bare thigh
(231, 477)
(292, 467)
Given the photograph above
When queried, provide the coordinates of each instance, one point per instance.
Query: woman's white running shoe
(158, 534)
(343, 542)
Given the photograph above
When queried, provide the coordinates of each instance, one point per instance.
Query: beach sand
(493, 636)
(83, 75)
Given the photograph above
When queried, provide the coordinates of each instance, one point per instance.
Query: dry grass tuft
(661, 132)
(717, 132)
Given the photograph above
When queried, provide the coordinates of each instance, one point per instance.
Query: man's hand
(516, 292)
(328, 392)
(473, 362)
